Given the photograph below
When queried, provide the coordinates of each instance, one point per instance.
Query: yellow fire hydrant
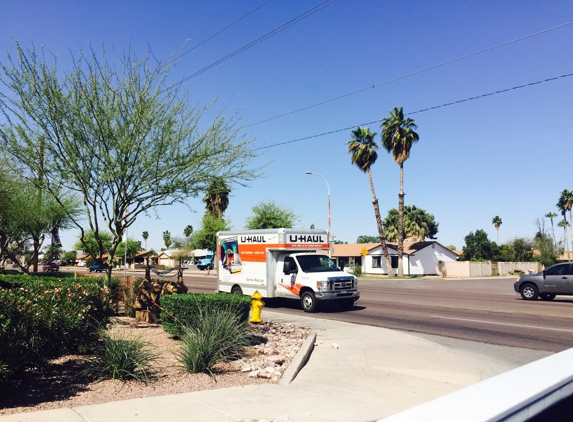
(256, 305)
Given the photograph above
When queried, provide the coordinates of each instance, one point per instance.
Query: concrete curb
(299, 360)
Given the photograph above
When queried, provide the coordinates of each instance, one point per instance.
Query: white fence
(484, 269)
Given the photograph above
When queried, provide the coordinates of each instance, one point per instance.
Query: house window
(394, 261)
(376, 262)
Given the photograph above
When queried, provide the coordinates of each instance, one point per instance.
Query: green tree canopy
(133, 247)
(478, 247)
(206, 236)
(417, 223)
(268, 215)
(117, 133)
(217, 197)
(90, 246)
(27, 217)
(167, 238)
(368, 239)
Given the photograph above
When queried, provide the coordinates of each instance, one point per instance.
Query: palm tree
(566, 204)
(563, 223)
(496, 221)
(417, 223)
(188, 230)
(551, 216)
(145, 237)
(167, 238)
(398, 136)
(217, 197)
(364, 155)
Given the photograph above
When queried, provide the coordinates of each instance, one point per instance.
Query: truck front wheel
(308, 301)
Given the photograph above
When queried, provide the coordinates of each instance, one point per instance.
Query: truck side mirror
(289, 267)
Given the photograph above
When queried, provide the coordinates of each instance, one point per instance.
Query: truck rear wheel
(308, 301)
(236, 290)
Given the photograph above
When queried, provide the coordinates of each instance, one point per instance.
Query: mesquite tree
(117, 133)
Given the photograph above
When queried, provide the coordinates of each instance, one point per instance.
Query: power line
(410, 74)
(217, 33)
(275, 31)
(420, 111)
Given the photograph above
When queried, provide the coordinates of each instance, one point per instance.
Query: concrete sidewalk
(355, 373)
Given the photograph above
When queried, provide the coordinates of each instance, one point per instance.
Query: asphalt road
(485, 310)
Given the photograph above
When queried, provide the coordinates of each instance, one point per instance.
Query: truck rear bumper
(338, 295)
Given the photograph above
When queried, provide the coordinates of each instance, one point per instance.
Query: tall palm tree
(364, 155)
(565, 205)
(167, 238)
(217, 197)
(145, 237)
(188, 230)
(496, 221)
(563, 223)
(551, 216)
(398, 136)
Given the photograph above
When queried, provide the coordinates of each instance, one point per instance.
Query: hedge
(42, 318)
(183, 309)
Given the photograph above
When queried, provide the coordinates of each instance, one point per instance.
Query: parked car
(207, 262)
(555, 280)
(81, 264)
(50, 266)
(98, 268)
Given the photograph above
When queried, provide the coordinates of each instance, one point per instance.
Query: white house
(419, 258)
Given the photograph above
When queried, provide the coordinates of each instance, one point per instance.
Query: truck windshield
(316, 263)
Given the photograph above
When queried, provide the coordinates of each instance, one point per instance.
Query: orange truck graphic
(286, 263)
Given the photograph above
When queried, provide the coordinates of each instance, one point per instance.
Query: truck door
(558, 279)
(286, 278)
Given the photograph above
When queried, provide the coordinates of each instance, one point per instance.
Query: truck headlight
(322, 286)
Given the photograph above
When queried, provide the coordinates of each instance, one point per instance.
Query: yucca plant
(216, 336)
(122, 358)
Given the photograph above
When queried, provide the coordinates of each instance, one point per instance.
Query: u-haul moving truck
(283, 263)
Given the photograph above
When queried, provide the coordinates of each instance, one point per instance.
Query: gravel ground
(274, 346)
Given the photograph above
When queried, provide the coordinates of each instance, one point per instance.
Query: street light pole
(328, 187)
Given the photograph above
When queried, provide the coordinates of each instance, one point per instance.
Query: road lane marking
(504, 323)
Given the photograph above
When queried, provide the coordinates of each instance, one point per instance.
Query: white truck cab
(286, 263)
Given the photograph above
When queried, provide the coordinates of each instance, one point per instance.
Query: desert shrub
(43, 318)
(180, 311)
(355, 269)
(216, 335)
(121, 358)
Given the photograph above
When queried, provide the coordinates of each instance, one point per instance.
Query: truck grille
(341, 283)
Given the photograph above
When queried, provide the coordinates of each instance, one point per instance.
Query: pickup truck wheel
(529, 292)
(236, 290)
(308, 301)
(547, 296)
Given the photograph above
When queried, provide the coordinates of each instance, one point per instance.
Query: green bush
(215, 336)
(43, 318)
(183, 310)
(355, 269)
(121, 358)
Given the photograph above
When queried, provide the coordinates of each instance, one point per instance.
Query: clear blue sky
(506, 154)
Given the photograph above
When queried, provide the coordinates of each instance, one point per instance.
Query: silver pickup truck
(555, 280)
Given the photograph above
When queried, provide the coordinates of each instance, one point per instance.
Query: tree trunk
(553, 230)
(380, 228)
(571, 229)
(401, 223)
